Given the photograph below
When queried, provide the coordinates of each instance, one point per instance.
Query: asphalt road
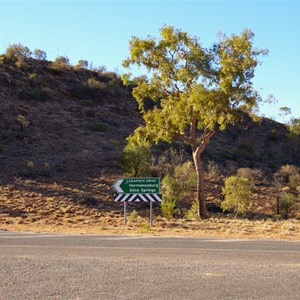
(48, 266)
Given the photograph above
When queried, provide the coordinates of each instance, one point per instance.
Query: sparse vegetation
(57, 169)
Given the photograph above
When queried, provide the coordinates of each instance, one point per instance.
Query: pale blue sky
(99, 31)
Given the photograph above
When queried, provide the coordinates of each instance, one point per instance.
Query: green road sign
(149, 185)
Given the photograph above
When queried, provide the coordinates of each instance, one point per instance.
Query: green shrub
(100, 127)
(192, 213)
(286, 204)
(176, 186)
(170, 191)
(135, 159)
(237, 191)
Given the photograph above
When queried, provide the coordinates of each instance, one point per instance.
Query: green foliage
(135, 159)
(181, 68)
(176, 186)
(237, 191)
(40, 54)
(287, 204)
(100, 127)
(170, 191)
(192, 213)
(95, 84)
(193, 87)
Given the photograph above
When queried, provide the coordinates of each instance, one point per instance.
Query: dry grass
(31, 205)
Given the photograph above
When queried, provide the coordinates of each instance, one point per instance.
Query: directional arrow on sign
(117, 187)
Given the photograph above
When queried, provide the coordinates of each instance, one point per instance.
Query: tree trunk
(202, 212)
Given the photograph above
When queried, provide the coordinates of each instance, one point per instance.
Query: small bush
(237, 191)
(100, 127)
(282, 175)
(168, 207)
(135, 159)
(176, 186)
(287, 204)
(192, 213)
(294, 181)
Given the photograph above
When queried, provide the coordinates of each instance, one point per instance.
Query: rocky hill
(63, 128)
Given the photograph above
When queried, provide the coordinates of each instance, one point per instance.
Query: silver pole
(125, 221)
(150, 213)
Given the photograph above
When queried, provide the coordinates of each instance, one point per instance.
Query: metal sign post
(150, 213)
(125, 220)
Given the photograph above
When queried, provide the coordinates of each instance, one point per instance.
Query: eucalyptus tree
(197, 90)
